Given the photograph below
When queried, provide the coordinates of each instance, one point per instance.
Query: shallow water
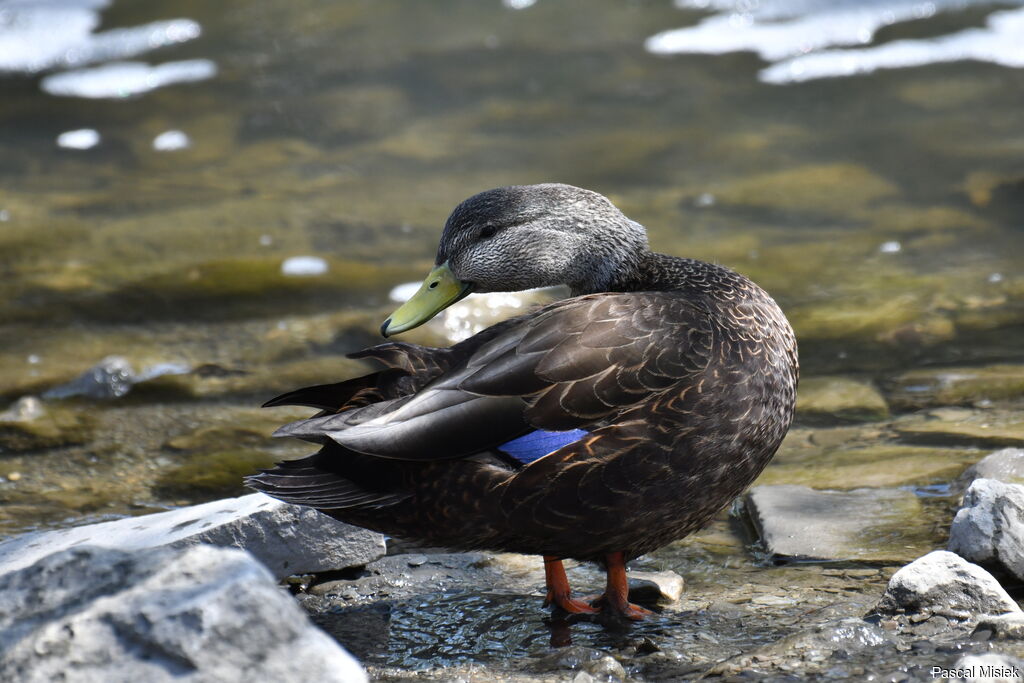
(884, 211)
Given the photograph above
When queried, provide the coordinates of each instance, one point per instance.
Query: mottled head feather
(524, 236)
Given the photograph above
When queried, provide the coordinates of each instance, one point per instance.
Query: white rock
(1003, 626)
(1005, 465)
(945, 584)
(189, 615)
(989, 526)
(288, 539)
(664, 586)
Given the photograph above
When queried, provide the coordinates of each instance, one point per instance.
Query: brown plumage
(682, 374)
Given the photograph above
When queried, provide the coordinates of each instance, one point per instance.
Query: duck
(596, 428)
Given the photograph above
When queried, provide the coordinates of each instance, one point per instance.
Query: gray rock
(288, 539)
(1002, 627)
(990, 667)
(989, 526)
(1006, 465)
(189, 615)
(864, 524)
(945, 584)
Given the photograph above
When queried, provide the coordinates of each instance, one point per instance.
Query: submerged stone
(824, 399)
(845, 461)
(981, 429)
(208, 474)
(799, 523)
(824, 188)
(956, 386)
(30, 425)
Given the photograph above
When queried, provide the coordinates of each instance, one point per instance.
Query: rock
(863, 524)
(990, 667)
(1006, 465)
(989, 526)
(665, 586)
(815, 189)
(605, 669)
(945, 584)
(865, 461)
(956, 386)
(192, 614)
(1002, 627)
(831, 399)
(288, 539)
(30, 425)
(983, 429)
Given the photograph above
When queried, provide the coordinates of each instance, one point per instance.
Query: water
(233, 206)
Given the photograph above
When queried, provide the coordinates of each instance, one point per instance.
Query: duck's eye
(487, 231)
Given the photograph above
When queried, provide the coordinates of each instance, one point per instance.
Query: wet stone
(981, 429)
(816, 189)
(1006, 465)
(30, 424)
(943, 583)
(288, 539)
(839, 399)
(1001, 627)
(797, 522)
(956, 386)
(989, 526)
(650, 587)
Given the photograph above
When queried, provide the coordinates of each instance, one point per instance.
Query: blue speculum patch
(537, 444)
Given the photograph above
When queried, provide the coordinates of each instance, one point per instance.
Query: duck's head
(514, 238)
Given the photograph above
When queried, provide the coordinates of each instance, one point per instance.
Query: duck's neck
(646, 271)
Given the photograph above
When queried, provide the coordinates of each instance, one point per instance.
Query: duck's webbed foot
(559, 593)
(616, 594)
(614, 600)
(622, 608)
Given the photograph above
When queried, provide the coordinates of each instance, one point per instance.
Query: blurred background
(205, 204)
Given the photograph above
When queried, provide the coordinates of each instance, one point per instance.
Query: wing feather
(574, 364)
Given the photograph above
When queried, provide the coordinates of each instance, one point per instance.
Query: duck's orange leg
(616, 593)
(558, 588)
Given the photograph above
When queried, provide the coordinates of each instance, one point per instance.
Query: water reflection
(35, 36)
(793, 34)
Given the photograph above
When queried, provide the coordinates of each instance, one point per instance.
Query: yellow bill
(439, 291)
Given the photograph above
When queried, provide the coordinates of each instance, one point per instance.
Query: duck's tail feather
(303, 482)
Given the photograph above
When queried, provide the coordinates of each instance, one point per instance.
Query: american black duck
(599, 427)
